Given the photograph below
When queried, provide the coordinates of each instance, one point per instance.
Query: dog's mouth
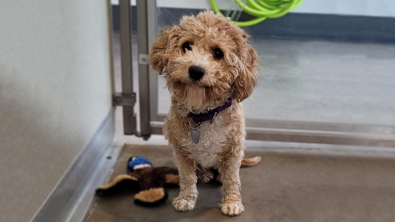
(197, 83)
(190, 82)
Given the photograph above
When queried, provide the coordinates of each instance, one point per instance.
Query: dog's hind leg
(205, 175)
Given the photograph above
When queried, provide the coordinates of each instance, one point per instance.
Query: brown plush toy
(147, 180)
(150, 181)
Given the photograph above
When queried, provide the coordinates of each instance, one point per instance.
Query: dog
(210, 68)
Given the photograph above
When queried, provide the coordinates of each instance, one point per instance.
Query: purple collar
(210, 114)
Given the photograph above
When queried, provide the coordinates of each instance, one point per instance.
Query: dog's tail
(247, 162)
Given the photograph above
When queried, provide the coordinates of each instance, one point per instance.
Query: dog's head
(205, 59)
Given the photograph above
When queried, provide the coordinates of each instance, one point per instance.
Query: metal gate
(151, 121)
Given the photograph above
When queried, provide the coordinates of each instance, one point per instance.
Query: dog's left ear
(248, 76)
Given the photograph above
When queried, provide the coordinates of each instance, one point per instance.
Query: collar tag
(195, 135)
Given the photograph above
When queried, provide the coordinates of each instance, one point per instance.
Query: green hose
(262, 9)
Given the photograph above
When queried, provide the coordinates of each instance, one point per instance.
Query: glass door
(325, 78)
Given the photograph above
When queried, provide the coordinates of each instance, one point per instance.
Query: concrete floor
(288, 185)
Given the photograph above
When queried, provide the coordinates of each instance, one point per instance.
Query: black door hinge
(120, 99)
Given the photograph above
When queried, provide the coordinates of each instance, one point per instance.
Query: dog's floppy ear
(157, 59)
(248, 77)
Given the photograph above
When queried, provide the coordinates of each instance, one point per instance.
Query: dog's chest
(212, 138)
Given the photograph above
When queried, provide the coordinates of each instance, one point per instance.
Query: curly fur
(232, 76)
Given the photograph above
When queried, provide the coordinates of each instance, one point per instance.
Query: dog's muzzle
(195, 72)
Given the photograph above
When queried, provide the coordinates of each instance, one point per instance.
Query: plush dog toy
(150, 181)
(147, 180)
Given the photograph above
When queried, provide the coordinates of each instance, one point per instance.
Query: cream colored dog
(210, 68)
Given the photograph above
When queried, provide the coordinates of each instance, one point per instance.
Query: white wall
(55, 90)
(340, 7)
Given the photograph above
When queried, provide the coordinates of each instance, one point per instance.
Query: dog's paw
(232, 208)
(205, 176)
(182, 203)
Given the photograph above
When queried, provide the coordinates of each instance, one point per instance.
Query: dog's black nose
(195, 72)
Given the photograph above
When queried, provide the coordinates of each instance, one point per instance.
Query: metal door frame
(257, 129)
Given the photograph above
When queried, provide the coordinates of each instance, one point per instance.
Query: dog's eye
(187, 46)
(217, 53)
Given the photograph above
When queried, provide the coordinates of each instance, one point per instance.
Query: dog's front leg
(186, 200)
(230, 178)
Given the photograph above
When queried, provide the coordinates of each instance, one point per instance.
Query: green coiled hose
(262, 9)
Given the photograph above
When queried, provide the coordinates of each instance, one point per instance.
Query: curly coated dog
(210, 68)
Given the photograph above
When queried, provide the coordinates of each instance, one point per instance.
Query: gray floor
(288, 185)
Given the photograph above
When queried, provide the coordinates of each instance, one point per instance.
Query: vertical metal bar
(129, 121)
(111, 48)
(153, 76)
(143, 67)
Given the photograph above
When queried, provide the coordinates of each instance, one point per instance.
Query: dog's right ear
(158, 51)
